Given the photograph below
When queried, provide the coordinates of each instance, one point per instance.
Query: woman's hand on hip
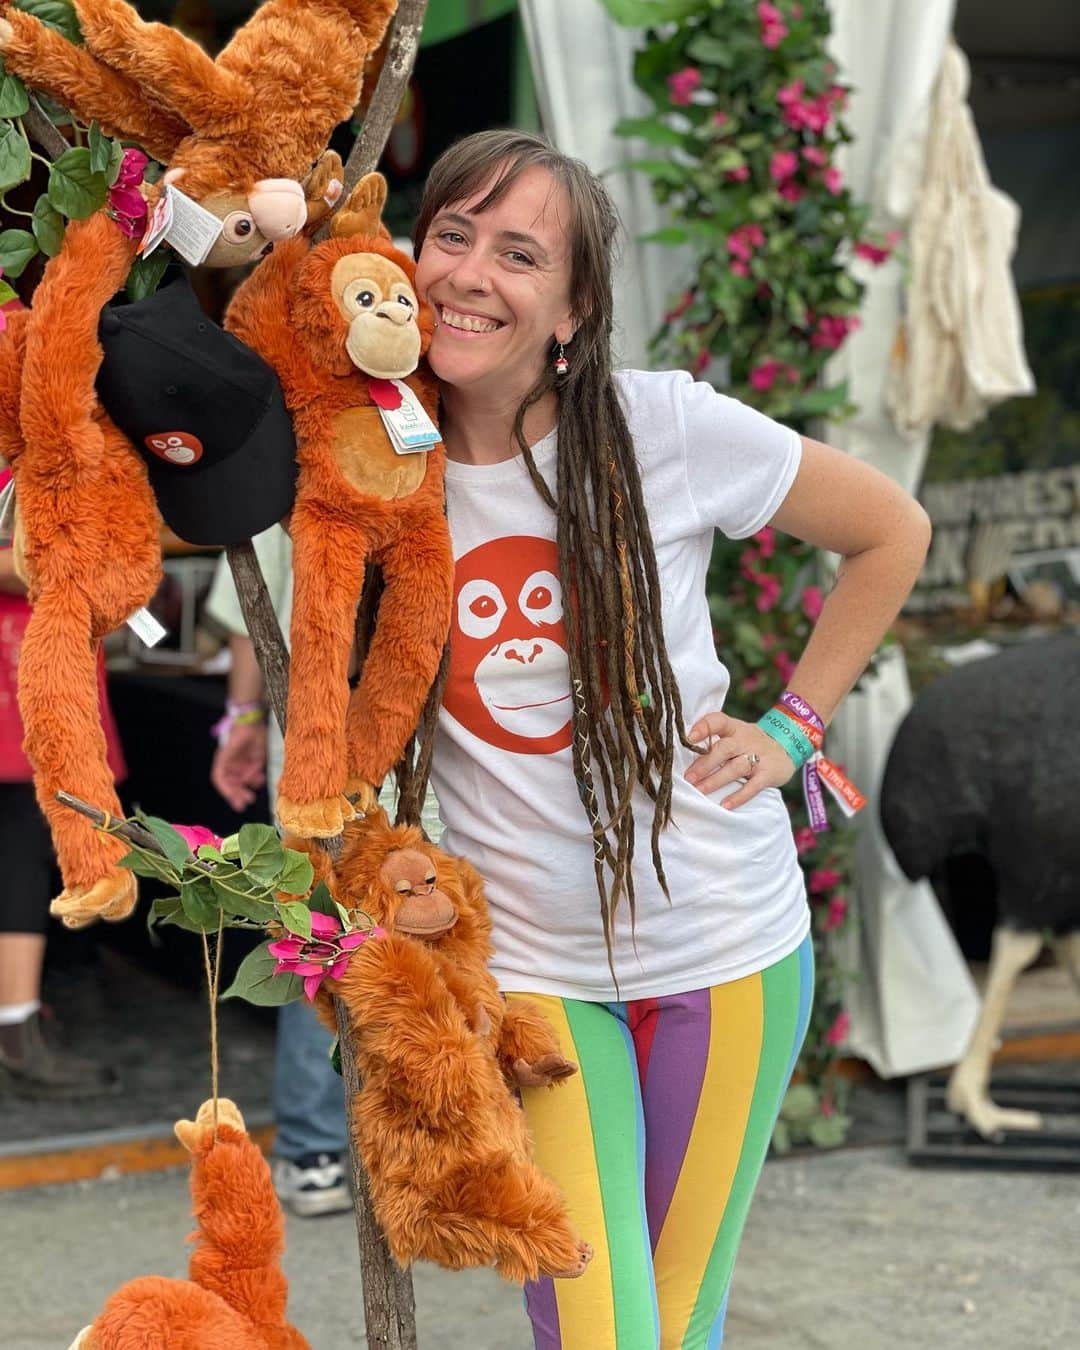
(736, 750)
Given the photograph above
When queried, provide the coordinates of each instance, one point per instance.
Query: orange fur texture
(348, 514)
(442, 1136)
(235, 1295)
(88, 535)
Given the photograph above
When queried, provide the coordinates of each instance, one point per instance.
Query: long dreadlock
(627, 713)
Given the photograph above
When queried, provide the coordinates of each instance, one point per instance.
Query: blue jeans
(308, 1096)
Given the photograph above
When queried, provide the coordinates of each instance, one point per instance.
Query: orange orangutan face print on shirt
(509, 681)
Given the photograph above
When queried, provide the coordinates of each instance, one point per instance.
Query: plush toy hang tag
(409, 427)
(188, 227)
(146, 628)
(158, 225)
(7, 512)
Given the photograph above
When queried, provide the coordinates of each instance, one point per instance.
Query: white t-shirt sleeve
(739, 463)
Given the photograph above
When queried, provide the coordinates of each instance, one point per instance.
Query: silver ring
(754, 759)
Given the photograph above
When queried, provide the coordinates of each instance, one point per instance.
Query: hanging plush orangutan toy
(238, 133)
(439, 1052)
(235, 1295)
(342, 326)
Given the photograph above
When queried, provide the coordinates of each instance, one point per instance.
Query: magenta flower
(805, 840)
(823, 879)
(701, 361)
(838, 906)
(783, 165)
(682, 84)
(126, 202)
(832, 329)
(720, 118)
(877, 253)
(769, 593)
(766, 541)
(812, 602)
(739, 174)
(833, 179)
(773, 28)
(791, 192)
(680, 309)
(837, 1033)
(813, 154)
(741, 242)
(763, 377)
(740, 268)
(784, 664)
(197, 835)
(324, 954)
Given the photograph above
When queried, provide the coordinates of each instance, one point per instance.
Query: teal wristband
(785, 733)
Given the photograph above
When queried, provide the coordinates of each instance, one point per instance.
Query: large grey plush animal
(987, 762)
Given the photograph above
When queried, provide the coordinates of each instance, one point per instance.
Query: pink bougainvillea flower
(766, 541)
(314, 960)
(836, 915)
(680, 309)
(739, 174)
(833, 179)
(720, 118)
(837, 1033)
(197, 835)
(701, 361)
(790, 93)
(785, 666)
(773, 28)
(823, 879)
(783, 165)
(682, 84)
(126, 202)
(791, 192)
(740, 268)
(813, 154)
(832, 329)
(769, 593)
(812, 602)
(763, 376)
(877, 253)
(805, 840)
(132, 167)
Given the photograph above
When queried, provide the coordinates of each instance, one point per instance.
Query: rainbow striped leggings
(657, 1144)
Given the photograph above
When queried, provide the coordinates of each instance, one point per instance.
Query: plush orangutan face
(252, 220)
(419, 907)
(379, 306)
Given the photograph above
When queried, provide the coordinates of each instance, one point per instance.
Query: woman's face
(499, 282)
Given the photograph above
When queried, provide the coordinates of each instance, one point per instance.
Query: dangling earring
(562, 365)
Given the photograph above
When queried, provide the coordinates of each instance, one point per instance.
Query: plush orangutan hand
(439, 1127)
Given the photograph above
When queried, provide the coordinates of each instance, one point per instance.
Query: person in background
(309, 1161)
(30, 1064)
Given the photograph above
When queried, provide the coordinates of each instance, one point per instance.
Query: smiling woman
(582, 505)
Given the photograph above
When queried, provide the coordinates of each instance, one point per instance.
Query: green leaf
(99, 148)
(14, 157)
(208, 853)
(146, 864)
(800, 1103)
(261, 854)
(828, 1131)
(670, 234)
(7, 293)
(143, 280)
(116, 158)
(818, 401)
(297, 875)
(13, 98)
(649, 129)
(48, 227)
(230, 846)
(17, 247)
(74, 187)
(229, 894)
(58, 14)
(173, 845)
(320, 901)
(296, 917)
(710, 51)
(256, 982)
(645, 13)
(335, 1058)
(200, 904)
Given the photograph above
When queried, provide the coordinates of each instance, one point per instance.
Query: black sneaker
(31, 1067)
(314, 1183)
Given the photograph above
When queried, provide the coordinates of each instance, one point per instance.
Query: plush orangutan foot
(543, 1072)
(112, 898)
(323, 188)
(585, 1255)
(364, 797)
(324, 818)
(193, 1133)
(6, 32)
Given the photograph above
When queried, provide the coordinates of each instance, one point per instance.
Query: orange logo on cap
(175, 447)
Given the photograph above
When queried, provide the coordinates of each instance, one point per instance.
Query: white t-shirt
(503, 769)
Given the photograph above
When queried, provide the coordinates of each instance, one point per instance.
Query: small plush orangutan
(239, 134)
(338, 322)
(235, 1295)
(439, 1127)
(87, 543)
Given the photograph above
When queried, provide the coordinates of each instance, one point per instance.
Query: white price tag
(409, 427)
(158, 225)
(146, 628)
(7, 512)
(194, 230)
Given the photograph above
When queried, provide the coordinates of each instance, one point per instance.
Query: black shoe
(312, 1184)
(30, 1067)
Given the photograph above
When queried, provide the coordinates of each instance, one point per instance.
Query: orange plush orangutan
(235, 1294)
(236, 133)
(440, 1131)
(338, 322)
(87, 544)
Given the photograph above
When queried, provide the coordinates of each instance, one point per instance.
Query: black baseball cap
(205, 412)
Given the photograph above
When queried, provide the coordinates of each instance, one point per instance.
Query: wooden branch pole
(389, 1307)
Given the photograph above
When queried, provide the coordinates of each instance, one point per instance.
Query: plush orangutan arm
(241, 1234)
(404, 1016)
(528, 1049)
(256, 314)
(74, 77)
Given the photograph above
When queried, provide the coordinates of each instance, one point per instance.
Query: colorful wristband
(237, 715)
(786, 732)
(798, 707)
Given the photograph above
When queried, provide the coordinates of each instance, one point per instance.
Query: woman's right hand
(239, 767)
